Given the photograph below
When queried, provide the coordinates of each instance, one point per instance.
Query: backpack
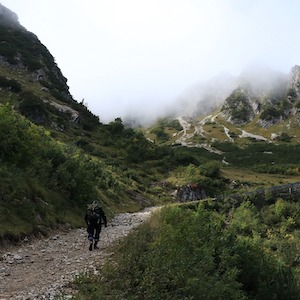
(93, 214)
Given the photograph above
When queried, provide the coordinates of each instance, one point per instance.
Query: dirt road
(42, 269)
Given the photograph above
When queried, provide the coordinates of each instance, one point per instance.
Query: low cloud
(149, 58)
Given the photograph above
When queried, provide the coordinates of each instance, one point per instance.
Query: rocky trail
(43, 268)
(190, 130)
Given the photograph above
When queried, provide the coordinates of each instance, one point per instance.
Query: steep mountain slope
(32, 81)
(33, 84)
(56, 155)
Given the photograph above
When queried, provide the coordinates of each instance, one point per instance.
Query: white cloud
(125, 54)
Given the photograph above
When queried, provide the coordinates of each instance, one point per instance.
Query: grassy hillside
(56, 155)
(213, 250)
(248, 153)
(47, 182)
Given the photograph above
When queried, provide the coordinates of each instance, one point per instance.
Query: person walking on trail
(94, 218)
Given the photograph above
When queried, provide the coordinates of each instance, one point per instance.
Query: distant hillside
(253, 134)
(270, 98)
(259, 102)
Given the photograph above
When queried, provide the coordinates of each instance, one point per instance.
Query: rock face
(271, 98)
(239, 107)
(190, 193)
(294, 82)
(22, 50)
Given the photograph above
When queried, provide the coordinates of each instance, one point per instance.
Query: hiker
(94, 217)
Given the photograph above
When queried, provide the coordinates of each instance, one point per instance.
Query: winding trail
(42, 269)
(198, 129)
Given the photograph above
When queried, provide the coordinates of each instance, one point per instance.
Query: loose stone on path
(42, 269)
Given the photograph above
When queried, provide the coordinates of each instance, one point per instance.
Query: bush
(211, 169)
(11, 84)
(188, 254)
(269, 113)
(48, 179)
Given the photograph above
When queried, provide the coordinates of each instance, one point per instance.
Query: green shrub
(211, 169)
(33, 107)
(244, 220)
(202, 254)
(269, 113)
(11, 84)
(50, 181)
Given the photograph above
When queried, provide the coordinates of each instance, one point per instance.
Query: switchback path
(42, 269)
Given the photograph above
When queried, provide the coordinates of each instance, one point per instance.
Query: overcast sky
(123, 55)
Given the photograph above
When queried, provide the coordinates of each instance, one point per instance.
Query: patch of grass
(255, 179)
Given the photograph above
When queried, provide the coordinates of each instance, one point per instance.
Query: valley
(233, 146)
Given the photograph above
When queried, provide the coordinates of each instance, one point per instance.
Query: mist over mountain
(262, 80)
(268, 95)
(8, 17)
(257, 82)
(260, 84)
(205, 96)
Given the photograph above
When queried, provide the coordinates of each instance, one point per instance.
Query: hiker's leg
(97, 232)
(97, 235)
(90, 231)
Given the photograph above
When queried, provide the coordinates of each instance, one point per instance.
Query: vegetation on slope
(216, 250)
(52, 170)
(20, 46)
(47, 183)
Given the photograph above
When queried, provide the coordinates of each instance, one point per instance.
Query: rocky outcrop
(239, 108)
(74, 115)
(273, 97)
(190, 192)
(294, 82)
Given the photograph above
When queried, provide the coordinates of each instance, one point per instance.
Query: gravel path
(42, 269)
